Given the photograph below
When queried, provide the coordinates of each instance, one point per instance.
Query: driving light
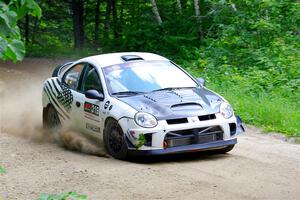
(145, 120)
(226, 110)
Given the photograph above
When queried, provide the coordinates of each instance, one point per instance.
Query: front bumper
(156, 137)
(182, 149)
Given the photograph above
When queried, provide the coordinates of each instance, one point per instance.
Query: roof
(104, 60)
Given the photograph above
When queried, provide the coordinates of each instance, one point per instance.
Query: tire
(51, 122)
(224, 150)
(114, 141)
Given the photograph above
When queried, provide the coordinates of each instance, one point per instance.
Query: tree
(97, 20)
(155, 12)
(78, 26)
(115, 18)
(198, 17)
(26, 29)
(11, 45)
(107, 19)
(179, 6)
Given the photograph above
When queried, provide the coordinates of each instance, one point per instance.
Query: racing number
(91, 108)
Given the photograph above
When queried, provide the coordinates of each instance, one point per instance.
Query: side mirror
(201, 81)
(94, 94)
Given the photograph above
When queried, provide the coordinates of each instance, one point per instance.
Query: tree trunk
(78, 28)
(107, 19)
(155, 12)
(121, 17)
(97, 20)
(198, 17)
(34, 30)
(197, 10)
(27, 30)
(115, 18)
(179, 6)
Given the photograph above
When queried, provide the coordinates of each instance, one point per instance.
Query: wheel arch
(123, 153)
(108, 119)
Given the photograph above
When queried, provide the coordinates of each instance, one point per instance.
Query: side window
(72, 77)
(91, 80)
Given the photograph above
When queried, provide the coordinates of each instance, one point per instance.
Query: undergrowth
(64, 196)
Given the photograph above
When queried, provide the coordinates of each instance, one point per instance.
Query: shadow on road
(181, 157)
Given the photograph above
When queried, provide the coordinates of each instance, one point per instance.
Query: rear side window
(72, 77)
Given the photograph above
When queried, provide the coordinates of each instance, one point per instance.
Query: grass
(276, 110)
(2, 170)
(268, 111)
(64, 196)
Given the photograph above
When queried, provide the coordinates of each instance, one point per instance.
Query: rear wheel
(51, 122)
(114, 141)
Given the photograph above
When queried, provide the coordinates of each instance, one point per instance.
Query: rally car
(138, 104)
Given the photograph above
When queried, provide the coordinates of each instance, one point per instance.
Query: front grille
(177, 121)
(207, 117)
(193, 136)
(148, 139)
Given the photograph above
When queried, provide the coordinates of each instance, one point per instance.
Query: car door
(89, 110)
(71, 82)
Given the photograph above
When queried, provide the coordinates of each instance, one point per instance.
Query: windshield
(145, 76)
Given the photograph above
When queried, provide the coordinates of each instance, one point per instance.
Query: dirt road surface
(260, 166)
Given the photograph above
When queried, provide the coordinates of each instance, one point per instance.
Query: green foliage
(11, 45)
(2, 170)
(253, 61)
(64, 196)
(140, 141)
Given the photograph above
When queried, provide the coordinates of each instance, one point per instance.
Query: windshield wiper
(127, 93)
(171, 88)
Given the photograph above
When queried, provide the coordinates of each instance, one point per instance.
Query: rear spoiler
(57, 71)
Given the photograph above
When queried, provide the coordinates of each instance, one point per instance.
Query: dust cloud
(21, 114)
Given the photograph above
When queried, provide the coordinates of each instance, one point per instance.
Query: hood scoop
(127, 58)
(186, 106)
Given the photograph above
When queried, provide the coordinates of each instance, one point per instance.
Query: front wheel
(51, 122)
(114, 141)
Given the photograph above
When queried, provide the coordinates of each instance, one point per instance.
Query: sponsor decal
(91, 108)
(131, 134)
(59, 110)
(106, 104)
(92, 127)
(65, 97)
(60, 97)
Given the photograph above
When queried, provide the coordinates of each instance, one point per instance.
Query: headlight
(226, 110)
(145, 120)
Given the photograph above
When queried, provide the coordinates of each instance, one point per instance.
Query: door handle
(78, 104)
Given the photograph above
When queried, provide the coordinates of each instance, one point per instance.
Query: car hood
(177, 103)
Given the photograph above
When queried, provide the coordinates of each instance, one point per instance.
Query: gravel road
(261, 166)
